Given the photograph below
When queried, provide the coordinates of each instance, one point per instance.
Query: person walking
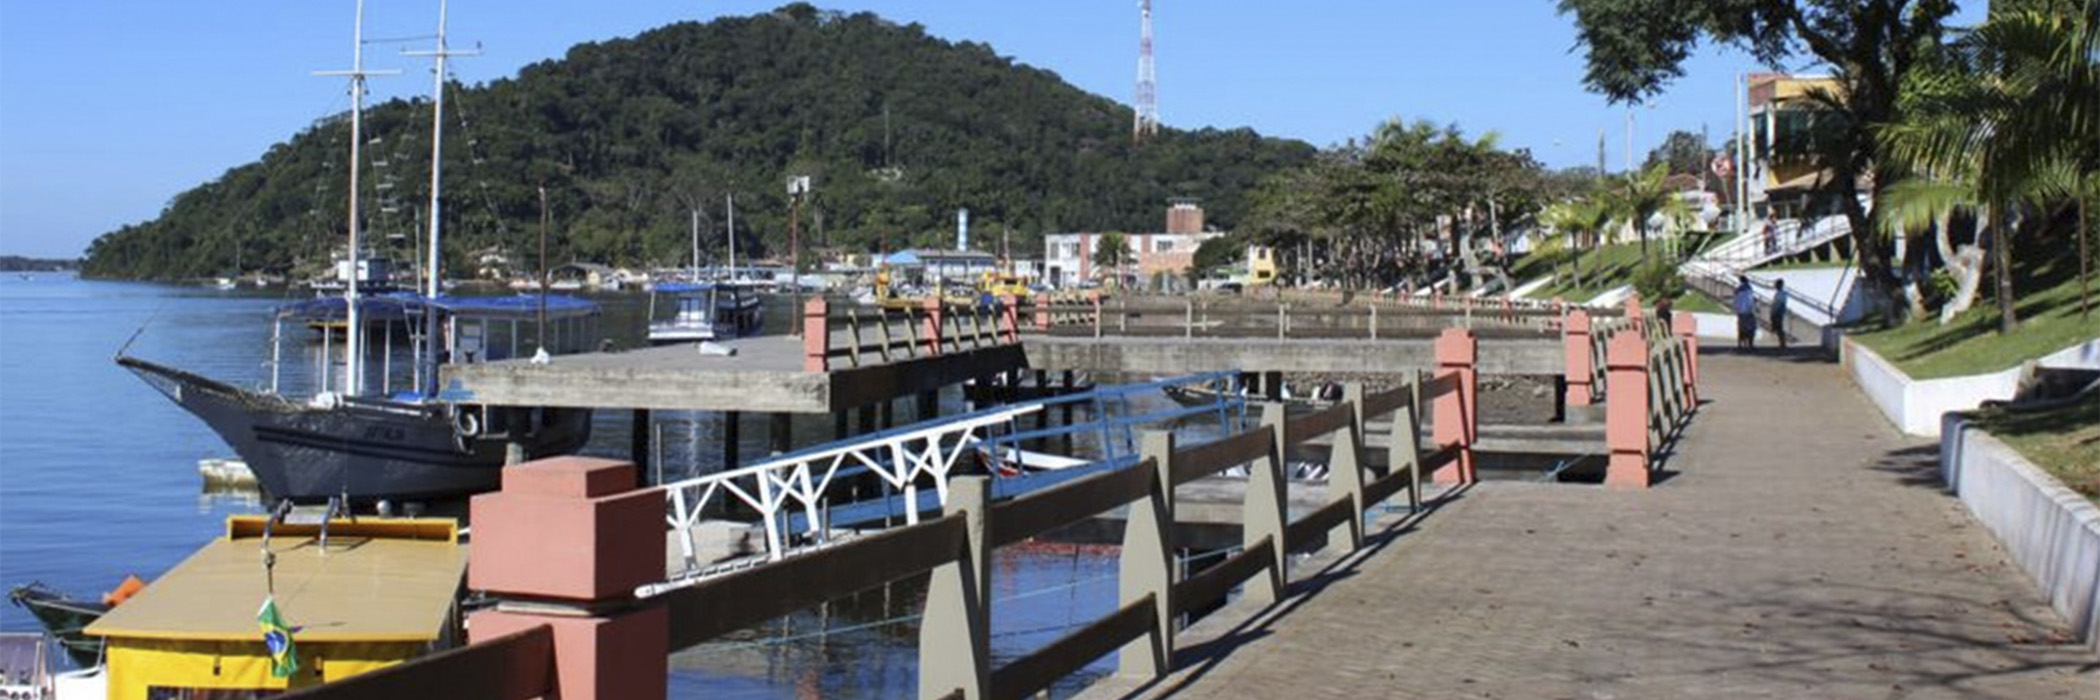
(1779, 312)
(1745, 314)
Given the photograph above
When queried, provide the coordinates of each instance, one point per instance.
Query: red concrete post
(1457, 414)
(1509, 310)
(1436, 300)
(1009, 319)
(1626, 411)
(1687, 327)
(1633, 313)
(934, 310)
(1042, 311)
(1575, 341)
(572, 536)
(816, 335)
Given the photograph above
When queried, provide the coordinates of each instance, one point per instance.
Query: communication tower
(1147, 122)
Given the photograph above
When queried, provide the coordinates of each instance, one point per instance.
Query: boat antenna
(353, 376)
(434, 268)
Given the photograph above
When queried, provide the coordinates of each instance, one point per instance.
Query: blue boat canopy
(403, 305)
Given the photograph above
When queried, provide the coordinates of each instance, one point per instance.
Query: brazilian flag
(284, 658)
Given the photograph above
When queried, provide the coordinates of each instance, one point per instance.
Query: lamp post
(797, 186)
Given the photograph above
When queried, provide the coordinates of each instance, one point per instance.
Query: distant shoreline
(16, 263)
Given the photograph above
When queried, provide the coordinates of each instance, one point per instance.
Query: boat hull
(367, 450)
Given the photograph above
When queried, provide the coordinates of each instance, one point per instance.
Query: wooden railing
(1366, 317)
(954, 638)
(881, 335)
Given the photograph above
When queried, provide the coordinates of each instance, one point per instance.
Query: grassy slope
(2049, 321)
(2065, 441)
(1602, 269)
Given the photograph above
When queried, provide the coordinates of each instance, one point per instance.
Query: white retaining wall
(2052, 532)
(1915, 406)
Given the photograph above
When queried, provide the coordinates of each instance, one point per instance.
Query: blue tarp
(904, 257)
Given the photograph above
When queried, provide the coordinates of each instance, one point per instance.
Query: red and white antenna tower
(1147, 122)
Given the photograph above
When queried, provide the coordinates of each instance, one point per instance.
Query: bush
(1657, 280)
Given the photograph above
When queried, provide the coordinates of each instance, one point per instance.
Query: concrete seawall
(2051, 532)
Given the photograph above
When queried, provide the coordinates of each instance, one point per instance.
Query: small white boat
(704, 311)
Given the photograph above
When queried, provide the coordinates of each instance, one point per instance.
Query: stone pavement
(1801, 548)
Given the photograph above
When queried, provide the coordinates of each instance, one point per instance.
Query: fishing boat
(703, 310)
(358, 439)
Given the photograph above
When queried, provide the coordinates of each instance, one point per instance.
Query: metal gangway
(793, 493)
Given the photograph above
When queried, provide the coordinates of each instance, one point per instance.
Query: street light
(797, 186)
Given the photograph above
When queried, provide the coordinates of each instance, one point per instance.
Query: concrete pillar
(934, 312)
(1009, 319)
(1264, 512)
(1457, 411)
(1405, 453)
(607, 539)
(1626, 412)
(840, 424)
(1345, 474)
(816, 335)
(731, 433)
(1687, 327)
(1633, 313)
(1575, 340)
(1272, 385)
(1042, 311)
(929, 405)
(955, 641)
(1146, 563)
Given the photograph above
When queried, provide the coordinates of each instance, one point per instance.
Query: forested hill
(898, 130)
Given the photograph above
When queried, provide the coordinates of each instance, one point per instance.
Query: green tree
(1638, 198)
(1111, 253)
(1683, 151)
(1634, 48)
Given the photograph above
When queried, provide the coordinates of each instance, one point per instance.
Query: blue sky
(109, 108)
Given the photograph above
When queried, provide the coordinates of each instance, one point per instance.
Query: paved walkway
(1803, 550)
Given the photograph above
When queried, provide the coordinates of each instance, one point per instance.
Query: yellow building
(1786, 122)
(382, 591)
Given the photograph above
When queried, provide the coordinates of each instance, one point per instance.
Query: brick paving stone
(1800, 548)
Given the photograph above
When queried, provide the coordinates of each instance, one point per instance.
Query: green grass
(1603, 269)
(1971, 344)
(1698, 303)
(2064, 441)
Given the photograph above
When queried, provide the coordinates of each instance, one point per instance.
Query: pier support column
(782, 432)
(638, 441)
(868, 415)
(929, 405)
(1626, 411)
(1457, 410)
(607, 644)
(839, 425)
(731, 433)
(1575, 344)
(1272, 385)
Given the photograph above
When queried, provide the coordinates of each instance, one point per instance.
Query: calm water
(98, 479)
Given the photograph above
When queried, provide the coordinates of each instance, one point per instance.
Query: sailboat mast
(354, 374)
(434, 269)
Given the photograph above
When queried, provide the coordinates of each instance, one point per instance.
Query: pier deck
(765, 375)
(1802, 548)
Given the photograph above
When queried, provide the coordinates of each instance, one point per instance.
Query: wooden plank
(1209, 458)
(1382, 403)
(1211, 586)
(1384, 488)
(1299, 536)
(1068, 503)
(515, 666)
(717, 606)
(1316, 424)
(1034, 672)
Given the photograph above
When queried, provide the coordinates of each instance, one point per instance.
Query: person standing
(1779, 312)
(1745, 314)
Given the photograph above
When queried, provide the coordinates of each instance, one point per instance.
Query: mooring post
(1687, 327)
(816, 335)
(1626, 411)
(955, 648)
(1145, 566)
(607, 643)
(1575, 342)
(1457, 353)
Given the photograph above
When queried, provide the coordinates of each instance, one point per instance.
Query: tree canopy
(897, 128)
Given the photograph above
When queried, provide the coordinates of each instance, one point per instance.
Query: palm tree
(1582, 219)
(2008, 135)
(1640, 196)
